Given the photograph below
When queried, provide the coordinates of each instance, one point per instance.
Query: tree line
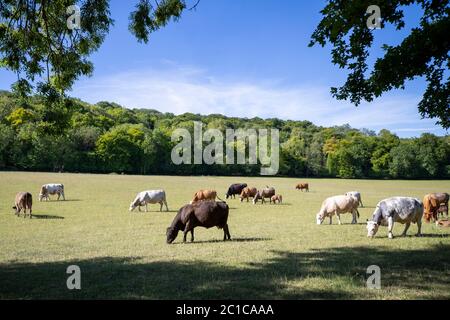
(75, 136)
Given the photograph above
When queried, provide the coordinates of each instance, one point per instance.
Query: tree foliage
(106, 137)
(424, 52)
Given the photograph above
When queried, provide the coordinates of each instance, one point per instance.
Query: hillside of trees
(75, 136)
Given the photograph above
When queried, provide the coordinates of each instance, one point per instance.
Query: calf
(357, 195)
(205, 214)
(396, 209)
(51, 189)
(150, 196)
(264, 194)
(302, 185)
(235, 189)
(337, 205)
(276, 198)
(247, 193)
(23, 201)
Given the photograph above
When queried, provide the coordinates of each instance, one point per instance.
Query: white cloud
(188, 89)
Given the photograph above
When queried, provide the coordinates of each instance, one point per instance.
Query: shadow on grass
(46, 216)
(215, 241)
(422, 272)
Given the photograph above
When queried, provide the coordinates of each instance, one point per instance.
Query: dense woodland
(75, 136)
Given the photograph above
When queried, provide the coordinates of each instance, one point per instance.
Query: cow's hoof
(390, 236)
(418, 235)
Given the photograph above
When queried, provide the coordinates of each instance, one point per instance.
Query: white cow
(357, 195)
(149, 196)
(51, 188)
(337, 205)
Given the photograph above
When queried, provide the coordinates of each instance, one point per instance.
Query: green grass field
(276, 252)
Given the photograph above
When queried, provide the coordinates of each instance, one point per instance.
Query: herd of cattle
(205, 211)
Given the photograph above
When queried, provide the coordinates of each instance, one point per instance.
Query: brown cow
(263, 194)
(24, 200)
(301, 186)
(206, 214)
(202, 195)
(247, 193)
(432, 203)
(276, 198)
(444, 223)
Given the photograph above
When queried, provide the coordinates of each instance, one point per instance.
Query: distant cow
(202, 195)
(264, 194)
(23, 201)
(247, 193)
(337, 205)
(276, 198)
(357, 195)
(51, 189)
(149, 196)
(432, 203)
(302, 185)
(206, 214)
(235, 189)
(396, 209)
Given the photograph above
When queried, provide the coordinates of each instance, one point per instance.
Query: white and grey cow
(357, 195)
(396, 209)
(51, 189)
(338, 205)
(149, 196)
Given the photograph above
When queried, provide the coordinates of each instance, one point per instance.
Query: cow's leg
(226, 233)
(419, 228)
(406, 229)
(187, 228)
(146, 207)
(160, 206)
(354, 217)
(165, 203)
(139, 207)
(64, 197)
(339, 217)
(390, 227)
(360, 201)
(192, 235)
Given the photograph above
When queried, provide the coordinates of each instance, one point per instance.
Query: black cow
(206, 214)
(235, 189)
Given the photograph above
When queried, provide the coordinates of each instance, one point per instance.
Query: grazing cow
(443, 209)
(150, 196)
(202, 195)
(396, 209)
(247, 193)
(357, 195)
(206, 214)
(235, 189)
(301, 186)
(432, 203)
(263, 194)
(337, 205)
(276, 198)
(51, 189)
(23, 201)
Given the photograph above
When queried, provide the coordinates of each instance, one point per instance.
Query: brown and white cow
(432, 203)
(263, 194)
(247, 193)
(276, 198)
(23, 201)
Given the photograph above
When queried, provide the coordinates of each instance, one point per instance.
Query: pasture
(276, 252)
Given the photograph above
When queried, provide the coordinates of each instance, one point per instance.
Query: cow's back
(404, 209)
(211, 214)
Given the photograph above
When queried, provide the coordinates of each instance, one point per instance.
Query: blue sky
(241, 58)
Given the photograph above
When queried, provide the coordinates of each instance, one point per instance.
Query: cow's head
(319, 218)
(171, 234)
(134, 205)
(372, 228)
